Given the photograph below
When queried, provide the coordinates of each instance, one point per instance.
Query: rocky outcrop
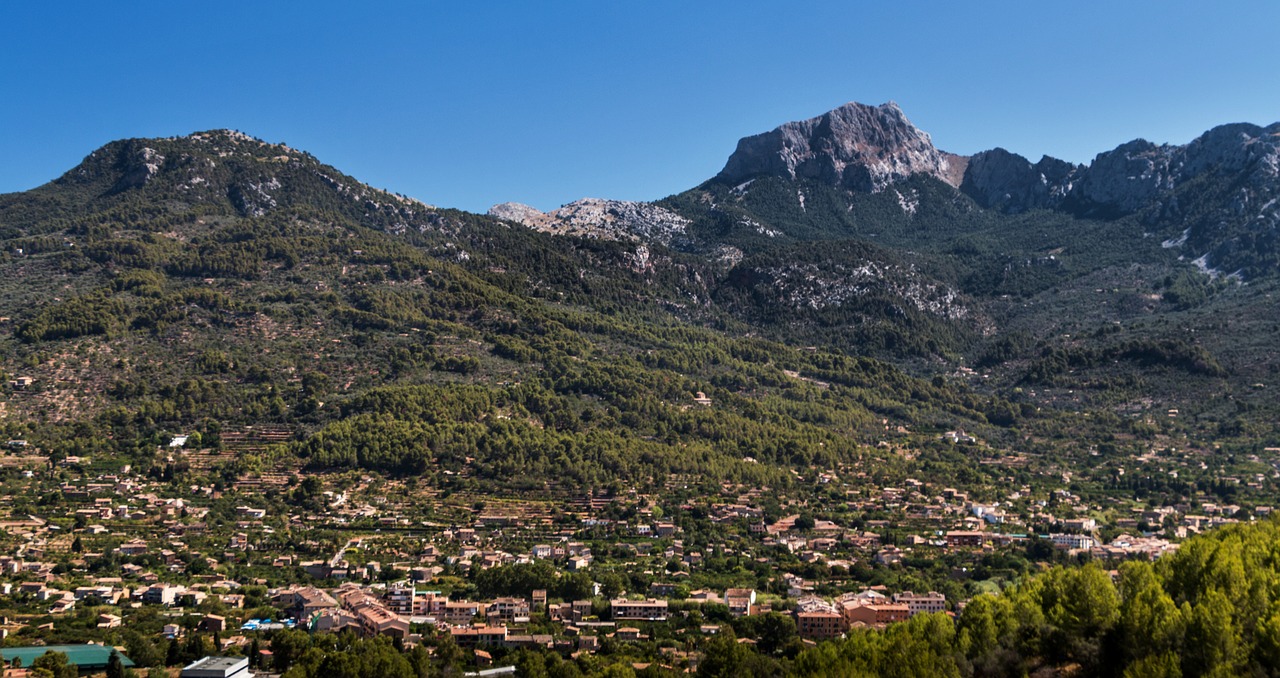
(1236, 148)
(519, 213)
(855, 147)
(1132, 177)
(1128, 178)
(596, 218)
(1009, 182)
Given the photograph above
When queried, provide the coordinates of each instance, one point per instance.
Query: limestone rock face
(1128, 177)
(517, 212)
(596, 218)
(1235, 148)
(856, 147)
(1011, 183)
(1132, 177)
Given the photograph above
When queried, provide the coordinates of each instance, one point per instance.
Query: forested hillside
(192, 284)
(143, 310)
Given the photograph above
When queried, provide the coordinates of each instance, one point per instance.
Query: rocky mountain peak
(856, 147)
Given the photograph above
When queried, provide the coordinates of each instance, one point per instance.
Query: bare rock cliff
(856, 147)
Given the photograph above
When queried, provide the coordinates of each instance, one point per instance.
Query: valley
(853, 399)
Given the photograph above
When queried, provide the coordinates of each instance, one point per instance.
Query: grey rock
(1134, 176)
(596, 218)
(1009, 182)
(1128, 178)
(856, 147)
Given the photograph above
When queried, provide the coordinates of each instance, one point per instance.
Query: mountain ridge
(862, 149)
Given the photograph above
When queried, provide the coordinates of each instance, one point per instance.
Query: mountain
(221, 171)
(1010, 183)
(1214, 201)
(859, 339)
(860, 282)
(857, 147)
(222, 285)
(852, 230)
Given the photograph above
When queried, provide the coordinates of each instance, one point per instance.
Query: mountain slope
(215, 282)
(852, 230)
(221, 285)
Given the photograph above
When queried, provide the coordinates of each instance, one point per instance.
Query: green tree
(922, 646)
(1155, 666)
(1150, 622)
(1080, 606)
(448, 654)
(142, 650)
(774, 632)
(56, 664)
(1213, 643)
(115, 666)
(288, 646)
(723, 656)
(195, 648)
(987, 634)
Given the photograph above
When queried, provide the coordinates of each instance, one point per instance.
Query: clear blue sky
(465, 104)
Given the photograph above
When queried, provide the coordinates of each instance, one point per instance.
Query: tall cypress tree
(115, 666)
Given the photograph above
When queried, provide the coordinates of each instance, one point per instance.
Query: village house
(510, 610)
(161, 594)
(646, 610)
(873, 614)
(921, 603)
(966, 539)
(376, 620)
(740, 601)
(819, 625)
(472, 636)
(302, 601)
(629, 634)
(889, 555)
(1072, 541)
(462, 611)
(135, 547)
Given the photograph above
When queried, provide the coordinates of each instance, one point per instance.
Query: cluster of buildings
(152, 535)
(820, 619)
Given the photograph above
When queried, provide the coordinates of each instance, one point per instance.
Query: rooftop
(84, 656)
(217, 667)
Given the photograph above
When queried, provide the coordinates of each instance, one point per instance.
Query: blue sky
(472, 103)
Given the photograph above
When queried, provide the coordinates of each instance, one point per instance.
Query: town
(161, 571)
